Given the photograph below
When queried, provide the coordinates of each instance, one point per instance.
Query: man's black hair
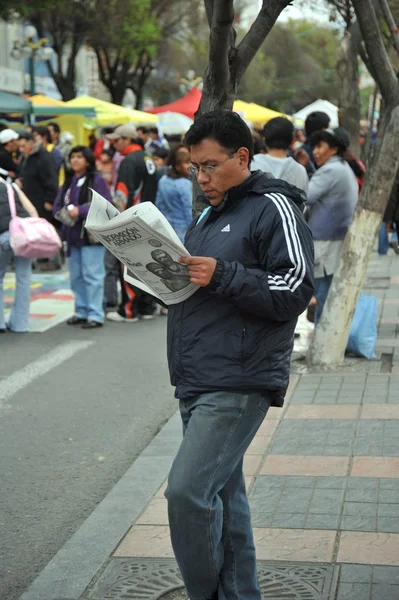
(143, 128)
(161, 152)
(25, 135)
(278, 133)
(154, 130)
(43, 132)
(225, 127)
(316, 121)
(55, 126)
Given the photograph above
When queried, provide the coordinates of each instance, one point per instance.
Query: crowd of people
(128, 165)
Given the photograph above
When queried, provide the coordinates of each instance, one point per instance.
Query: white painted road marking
(22, 377)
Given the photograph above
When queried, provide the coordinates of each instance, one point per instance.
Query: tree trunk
(349, 104)
(117, 92)
(65, 87)
(332, 332)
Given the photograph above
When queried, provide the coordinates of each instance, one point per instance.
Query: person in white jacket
(279, 134)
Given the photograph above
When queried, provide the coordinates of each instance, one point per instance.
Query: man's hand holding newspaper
(145, 242)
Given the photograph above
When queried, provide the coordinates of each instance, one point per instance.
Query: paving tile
(363, 509)
(323, 412)
(369, 548)
(309, 436)
(268, 427)
(353, 591)
(251, 464)
(156, 513)
(266, 483)
(388, 510)
(358, 523)
(315, 521)
(371, 483)
(357, 573)
(146, 541)
(385, 411)
(384, 592)
(294, 544)
(161, 492)
(367, 466)
(387, 575)
(305, 465)
(327, 502)
(388, 524)
(361, 495)
(259, 444)
(388, 496)
(289, 520)
(333, 483)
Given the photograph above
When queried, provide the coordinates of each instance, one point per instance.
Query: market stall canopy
(13, 104)
(322, 105)
(45, 106)
(112, 114)
(255, 113)
(188, 105)
(171, 123)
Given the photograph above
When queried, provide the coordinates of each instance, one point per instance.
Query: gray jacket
(332, 197)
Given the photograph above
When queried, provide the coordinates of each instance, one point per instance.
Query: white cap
(8, 135)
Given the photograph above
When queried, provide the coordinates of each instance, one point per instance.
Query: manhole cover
(159, 579)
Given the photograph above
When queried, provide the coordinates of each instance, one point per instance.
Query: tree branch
(219, 42)
(385, 76)
(209, 11)
(247, 49)
(390, 21)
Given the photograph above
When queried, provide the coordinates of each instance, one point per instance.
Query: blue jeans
(87, 272)
(321, 289)
(19, 317)
(383, 241)
(209, 517)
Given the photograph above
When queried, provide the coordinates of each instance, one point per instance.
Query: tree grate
(159, 579)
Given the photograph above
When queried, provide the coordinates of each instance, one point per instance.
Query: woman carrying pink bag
(18, 321)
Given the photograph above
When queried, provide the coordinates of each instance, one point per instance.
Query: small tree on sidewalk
(332, 332)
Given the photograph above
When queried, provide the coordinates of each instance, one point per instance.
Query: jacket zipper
(243, 342)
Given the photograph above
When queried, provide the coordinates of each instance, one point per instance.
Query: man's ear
(243, 157)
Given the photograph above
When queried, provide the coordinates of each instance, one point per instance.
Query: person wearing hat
(332, 197)
(136, 183)
(8, 146)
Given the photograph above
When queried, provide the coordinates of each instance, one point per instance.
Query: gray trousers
(112, 269)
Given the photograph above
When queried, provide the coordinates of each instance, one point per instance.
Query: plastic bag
(363, 333)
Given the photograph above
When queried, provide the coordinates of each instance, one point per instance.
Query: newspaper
(145, 242)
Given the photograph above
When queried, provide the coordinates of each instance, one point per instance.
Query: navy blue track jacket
(238, 333)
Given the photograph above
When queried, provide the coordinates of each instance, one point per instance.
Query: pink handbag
(31, 237)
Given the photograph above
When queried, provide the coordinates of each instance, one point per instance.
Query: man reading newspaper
(229, 349)
(233, 307)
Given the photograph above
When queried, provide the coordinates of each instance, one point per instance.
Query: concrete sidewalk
(323, 481)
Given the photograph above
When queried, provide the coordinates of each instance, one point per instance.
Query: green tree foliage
(296, 65)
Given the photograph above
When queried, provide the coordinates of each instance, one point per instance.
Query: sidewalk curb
(68, 574)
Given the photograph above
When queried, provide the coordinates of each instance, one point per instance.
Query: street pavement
(76, 409)
(322, 476)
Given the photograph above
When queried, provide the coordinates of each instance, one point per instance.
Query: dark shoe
(91, 325)
(76, 321)
(3, 330)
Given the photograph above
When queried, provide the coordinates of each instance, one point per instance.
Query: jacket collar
(130, 149)
(239, 192)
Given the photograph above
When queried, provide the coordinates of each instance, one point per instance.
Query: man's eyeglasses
(208, 169)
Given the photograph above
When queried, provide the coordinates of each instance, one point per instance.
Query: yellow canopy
(112, 114)
(42, 100)
(258, 115)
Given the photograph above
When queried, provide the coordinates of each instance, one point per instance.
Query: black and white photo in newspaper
(151, 258)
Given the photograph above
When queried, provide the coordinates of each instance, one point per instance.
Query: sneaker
(117, 318)
(146, 317)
